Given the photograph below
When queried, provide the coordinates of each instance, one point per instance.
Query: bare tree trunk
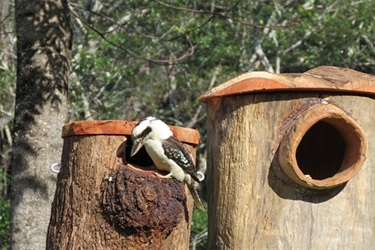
(43, 53)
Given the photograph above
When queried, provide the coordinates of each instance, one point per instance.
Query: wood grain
(253, 204)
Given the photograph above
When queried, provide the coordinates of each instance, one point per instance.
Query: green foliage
(121, 77)
(7, 80)
(7, 95)
(198, 238)
(4, 211)
(340, 36)
(4, 223)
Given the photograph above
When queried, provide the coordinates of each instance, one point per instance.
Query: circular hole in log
(140, 159)
(323, 148)
(321, 151)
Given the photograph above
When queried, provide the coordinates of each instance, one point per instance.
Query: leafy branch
(128, 51)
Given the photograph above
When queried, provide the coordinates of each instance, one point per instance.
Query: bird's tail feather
(196, 198)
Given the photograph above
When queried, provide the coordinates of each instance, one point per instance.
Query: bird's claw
(164, 176)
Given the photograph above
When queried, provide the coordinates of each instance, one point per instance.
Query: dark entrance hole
(321, 151)
(141, 158)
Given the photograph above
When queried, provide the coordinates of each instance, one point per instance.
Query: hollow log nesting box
(106, 199)
(290, 161)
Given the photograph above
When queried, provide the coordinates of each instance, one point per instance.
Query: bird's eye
(145, 132)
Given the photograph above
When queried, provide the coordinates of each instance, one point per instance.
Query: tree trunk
(102, 202)
(43, 53)
(288, 170)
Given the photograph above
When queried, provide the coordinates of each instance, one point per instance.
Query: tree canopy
(151, 57)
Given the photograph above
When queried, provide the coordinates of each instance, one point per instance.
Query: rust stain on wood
(142, 204)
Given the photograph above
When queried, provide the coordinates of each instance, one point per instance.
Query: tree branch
(196, 117)
(263, 58)
(112, 21)
(10, 14)
(221, 14)
(309, 32)
(132, 53)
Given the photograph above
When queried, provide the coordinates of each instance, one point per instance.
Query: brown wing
(176, 151)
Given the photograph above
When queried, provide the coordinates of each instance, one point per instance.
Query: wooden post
(290, 161)
(102, 202)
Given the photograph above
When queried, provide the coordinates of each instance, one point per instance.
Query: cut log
(102, 203)
(323, 197)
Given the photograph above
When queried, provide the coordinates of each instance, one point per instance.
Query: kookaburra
(167, 153)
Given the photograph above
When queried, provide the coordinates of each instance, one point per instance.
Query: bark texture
(252, 202)
(101, 202)
(43, 53)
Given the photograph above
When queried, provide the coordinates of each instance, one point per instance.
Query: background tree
(44, 40)
(7, 95)
(226, 38)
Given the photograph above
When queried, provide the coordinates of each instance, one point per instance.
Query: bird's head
(148, 128)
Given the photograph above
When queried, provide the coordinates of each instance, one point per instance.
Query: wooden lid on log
(323, 79)
(117, 127)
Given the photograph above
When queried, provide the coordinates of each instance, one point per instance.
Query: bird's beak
(137, 144)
